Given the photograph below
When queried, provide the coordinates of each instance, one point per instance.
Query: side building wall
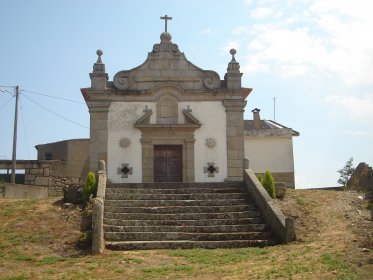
(273, 153)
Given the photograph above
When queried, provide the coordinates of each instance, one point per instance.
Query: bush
(260, 178)
(269, 184)
(90, 186)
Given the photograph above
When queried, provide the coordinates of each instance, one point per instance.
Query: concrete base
(25, 191)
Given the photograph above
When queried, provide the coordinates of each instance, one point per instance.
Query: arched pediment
(166, 64)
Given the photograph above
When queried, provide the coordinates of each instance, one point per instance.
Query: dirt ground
(324, 217)
(334, 241)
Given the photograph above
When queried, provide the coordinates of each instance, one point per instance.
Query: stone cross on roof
(165, 22)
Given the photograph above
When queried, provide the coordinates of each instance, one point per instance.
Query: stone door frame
(167, 135)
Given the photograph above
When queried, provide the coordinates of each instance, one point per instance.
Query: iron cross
(165, 21)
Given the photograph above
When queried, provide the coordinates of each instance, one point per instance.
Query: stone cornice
(153, 96)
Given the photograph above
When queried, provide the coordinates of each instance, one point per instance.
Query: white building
(168, 120)
(269, 146)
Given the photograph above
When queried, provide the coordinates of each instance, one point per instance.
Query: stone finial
(98, 76)
(99, 67)
(233, 66)
(166, 37)
(99, 53)
(233, 52)
(233, 75)
(101, 166)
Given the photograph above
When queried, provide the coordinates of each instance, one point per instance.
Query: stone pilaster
(235, 138)
(98, 132)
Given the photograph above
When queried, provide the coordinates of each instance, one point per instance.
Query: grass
(39, 244)
(219, 256)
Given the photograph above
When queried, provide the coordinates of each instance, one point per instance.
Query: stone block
(231, 131)
(29, 177)
(232, 154)
(46, 172)
(36, 171)
(42, 181)
(235, 163)
(235, 143)
(100, 124)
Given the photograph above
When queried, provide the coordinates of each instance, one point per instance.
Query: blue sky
(315, 57)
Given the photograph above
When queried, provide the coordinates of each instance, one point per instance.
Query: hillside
(37, 241)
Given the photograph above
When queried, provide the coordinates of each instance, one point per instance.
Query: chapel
(167, 120)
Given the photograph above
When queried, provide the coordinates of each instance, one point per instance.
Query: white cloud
(357, 133)
(247, 2)
(359, 106)
(260, 13)
(240, 29)
(331, 38)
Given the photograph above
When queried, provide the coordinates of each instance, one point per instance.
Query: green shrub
(269, 184)
(260, 178)
(90, 186)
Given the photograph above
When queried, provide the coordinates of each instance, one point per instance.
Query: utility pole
(274, 108)
(14, 155)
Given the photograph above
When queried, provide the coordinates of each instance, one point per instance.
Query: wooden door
(168, 164)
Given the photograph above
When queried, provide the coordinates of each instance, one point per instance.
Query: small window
(48, 156)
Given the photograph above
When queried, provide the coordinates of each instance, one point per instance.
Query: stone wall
(282, 177)
(49, 174)
(57, 183)
(38, 172)
(282, 226)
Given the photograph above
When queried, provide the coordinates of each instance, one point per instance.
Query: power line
(51, 96)
(7, 103)
(54, 113)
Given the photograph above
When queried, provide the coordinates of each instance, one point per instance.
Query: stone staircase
(182, 215)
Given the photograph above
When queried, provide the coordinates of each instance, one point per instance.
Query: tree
(269, 183)
(346, 172)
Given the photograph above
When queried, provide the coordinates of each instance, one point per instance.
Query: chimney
(256, 118)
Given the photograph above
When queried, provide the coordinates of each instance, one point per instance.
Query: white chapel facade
(167, 120)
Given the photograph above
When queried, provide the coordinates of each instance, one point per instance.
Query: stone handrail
(283, 227)
(98, 244)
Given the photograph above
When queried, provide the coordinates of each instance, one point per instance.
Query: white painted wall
(271, 153)
(213, 118)
(122, 116)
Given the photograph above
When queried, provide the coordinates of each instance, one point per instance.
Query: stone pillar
(190, 169)
(235, 138)
(147, 160)
(98, 132)
(98, 244)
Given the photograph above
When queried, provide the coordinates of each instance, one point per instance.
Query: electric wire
(54, 113)
(6, 103)
(24, 129)
(51, 96)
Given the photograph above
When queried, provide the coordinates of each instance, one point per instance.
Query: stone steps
(185, 244)
(172, 191)
(153, 236)
(180, 209)
(180, 202)
(178, 222)
(183, 216)
(203, 229)
(175, 196)
(193, 215)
